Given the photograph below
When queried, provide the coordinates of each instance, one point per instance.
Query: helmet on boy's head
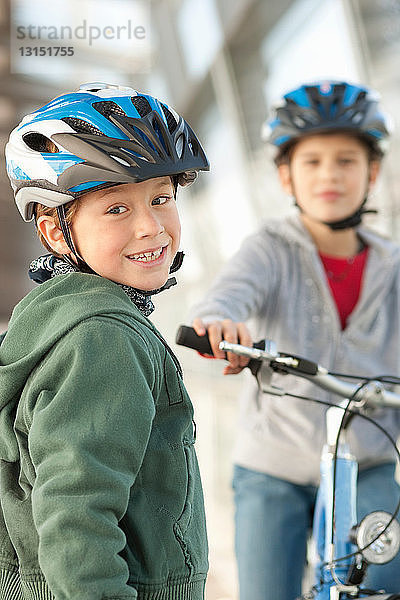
(328, 106)
(98, 136)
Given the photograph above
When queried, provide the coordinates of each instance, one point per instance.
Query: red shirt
(345, 278)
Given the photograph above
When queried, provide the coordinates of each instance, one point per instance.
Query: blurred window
(200, 33)
(230, 214)
(311, 41)
(80, 40)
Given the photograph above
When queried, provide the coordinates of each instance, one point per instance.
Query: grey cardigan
(277, 283)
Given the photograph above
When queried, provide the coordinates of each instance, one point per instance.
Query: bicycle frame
(331, 574)
(345, 512)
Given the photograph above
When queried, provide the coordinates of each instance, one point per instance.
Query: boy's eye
(160, 200)
(346, 161)
(117, 210)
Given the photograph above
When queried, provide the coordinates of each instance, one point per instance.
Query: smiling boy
(100, 491)
(139, 229)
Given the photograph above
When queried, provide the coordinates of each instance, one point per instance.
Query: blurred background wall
(221, 63)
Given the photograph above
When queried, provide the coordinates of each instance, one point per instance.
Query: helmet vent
(357, 118)
(171, 121)
(179, 146)
(108, 107)
(81, 126)
(299, 122)
(141, 104)
(39, 142)
(120, 160)
(194, 146)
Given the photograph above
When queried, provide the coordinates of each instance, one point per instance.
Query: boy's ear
(374, 170)
(52, 234)
(285, 179)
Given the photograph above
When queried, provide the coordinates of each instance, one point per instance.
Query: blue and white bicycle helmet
(328, 106)
(96, 137)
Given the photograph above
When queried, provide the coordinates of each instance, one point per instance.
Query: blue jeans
(273, 519)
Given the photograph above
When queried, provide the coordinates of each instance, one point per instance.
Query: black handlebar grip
(186, 336)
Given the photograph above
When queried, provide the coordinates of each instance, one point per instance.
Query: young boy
(100, 491)
(323, 287)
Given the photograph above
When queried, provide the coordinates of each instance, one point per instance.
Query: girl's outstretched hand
(236, 333)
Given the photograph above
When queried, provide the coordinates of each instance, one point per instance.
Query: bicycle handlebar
(264, 354)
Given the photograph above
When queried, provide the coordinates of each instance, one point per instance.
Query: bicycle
(345, 548)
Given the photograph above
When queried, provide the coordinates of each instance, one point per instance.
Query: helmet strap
(178, 259)
(352, 221)
(80, 263)
(177, 262)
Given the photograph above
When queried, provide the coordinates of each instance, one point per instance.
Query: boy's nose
(329, 171)
(148, 224)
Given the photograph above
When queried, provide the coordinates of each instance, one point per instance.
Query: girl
(324, 287)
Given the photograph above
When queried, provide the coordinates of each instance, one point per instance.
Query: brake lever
(263, 376)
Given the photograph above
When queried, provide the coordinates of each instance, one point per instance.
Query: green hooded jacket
(100, 490)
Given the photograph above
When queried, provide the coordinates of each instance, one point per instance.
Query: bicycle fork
(330, 576)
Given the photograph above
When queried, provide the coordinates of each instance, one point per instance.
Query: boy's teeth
(147, 256)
